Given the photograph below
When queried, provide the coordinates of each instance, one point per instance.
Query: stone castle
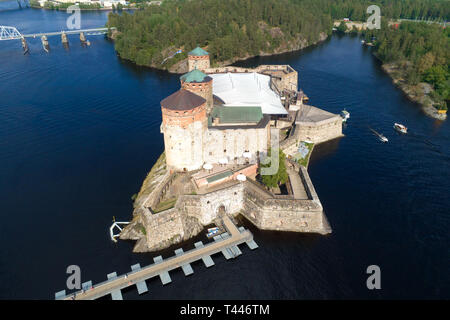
(216, 127)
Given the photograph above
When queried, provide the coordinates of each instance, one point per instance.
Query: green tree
(281, 176)
(342, 27)
(435, 75)
(232, 29)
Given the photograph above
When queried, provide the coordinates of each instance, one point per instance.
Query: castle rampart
(265, 210)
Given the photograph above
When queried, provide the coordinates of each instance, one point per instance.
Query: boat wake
(379, 135)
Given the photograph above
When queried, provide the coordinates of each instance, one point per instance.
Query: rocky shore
(181, 67)
(291, 46)
(419, 93)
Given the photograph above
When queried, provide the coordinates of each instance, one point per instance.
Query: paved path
(297, 185)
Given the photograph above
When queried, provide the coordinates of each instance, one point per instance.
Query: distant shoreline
(81, 9)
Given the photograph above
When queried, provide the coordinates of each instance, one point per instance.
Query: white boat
(213, 229)
(400, 128)
(383, 138)
(212, 233)
(345, 115)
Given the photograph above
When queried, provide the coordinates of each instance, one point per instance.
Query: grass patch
(165, 205)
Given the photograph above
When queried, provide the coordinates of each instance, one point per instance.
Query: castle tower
(199, 83)
(198, 58)
(184, 123)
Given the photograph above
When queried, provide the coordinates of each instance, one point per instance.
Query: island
(219, 128)
(217, 158)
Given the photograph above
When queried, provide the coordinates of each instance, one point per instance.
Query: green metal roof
(219, 176)
(237, 114)
(198, 52)
(193, 76)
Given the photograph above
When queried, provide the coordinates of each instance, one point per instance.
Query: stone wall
(284, 76)
(232, 143)
(184, 146)
(163, 229)
(275, 213)
(230, 198)
(183, 118)
(192, 212)
(199, 62)
(318, 133)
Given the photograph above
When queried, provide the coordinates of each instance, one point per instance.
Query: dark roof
(182, 100)
(261, 124)
(237, 114)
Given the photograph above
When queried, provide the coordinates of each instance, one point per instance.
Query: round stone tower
(199, 83)
(198, 58)
(184, 123)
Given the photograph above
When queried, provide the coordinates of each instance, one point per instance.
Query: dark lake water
(79, 130)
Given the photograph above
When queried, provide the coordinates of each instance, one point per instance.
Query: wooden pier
(226, 243)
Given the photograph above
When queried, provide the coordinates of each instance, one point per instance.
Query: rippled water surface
(79, 130)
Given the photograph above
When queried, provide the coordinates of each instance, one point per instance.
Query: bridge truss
(9, 33)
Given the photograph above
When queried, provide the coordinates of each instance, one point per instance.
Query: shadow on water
(282, 58)
(324, 150)
(142, 71)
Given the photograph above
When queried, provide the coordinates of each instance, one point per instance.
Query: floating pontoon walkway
(226, 243)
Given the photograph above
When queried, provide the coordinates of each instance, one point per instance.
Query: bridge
(11, 33)
(227, 243)
(19, 2)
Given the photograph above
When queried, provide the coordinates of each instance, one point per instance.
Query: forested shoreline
(238, 29)
(417, 56)
(228, 29)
